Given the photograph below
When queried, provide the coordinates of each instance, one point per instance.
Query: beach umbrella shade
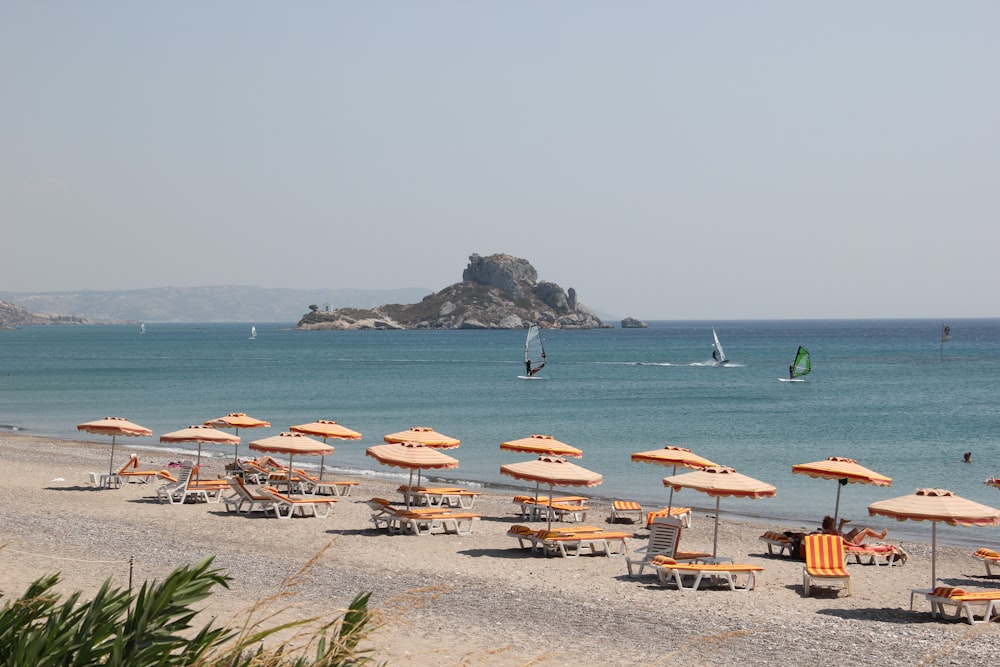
(425, 435)
(201, 434)
(936, 506)
(845, 471)
(238, 420)
(325, 428)
(541, 444)
(554, 471)
(411, 456)
(719, 482)
(292, 444)
(673, 456)
(113, 426)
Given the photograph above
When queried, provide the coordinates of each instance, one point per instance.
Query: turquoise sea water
(880, 392)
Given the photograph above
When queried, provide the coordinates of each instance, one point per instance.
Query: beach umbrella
(541, 444)
(238, 420)
(845, 471)
(424, 435)
(673, 456)
(412, 456)
(936, 505)
(292, 444)
(201, 434)
(113, 426)
(554, 471)
(719, 481)
(325, 428)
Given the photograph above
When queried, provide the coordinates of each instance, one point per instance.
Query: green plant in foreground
(118, 629)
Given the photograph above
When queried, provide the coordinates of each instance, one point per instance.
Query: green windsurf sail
(802, 364)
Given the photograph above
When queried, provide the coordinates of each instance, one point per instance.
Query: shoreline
(473, 599)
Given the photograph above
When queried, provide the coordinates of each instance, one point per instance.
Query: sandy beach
(474, 599)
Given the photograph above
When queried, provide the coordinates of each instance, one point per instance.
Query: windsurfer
(527, 368)
(791, 371)
(715, 355)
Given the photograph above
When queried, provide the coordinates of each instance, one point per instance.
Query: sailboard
(534, 354)
(718, 353)
(142, 328)
(800, 367)
(253, 333)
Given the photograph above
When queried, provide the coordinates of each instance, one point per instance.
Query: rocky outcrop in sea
(13, 316)
(497, 292)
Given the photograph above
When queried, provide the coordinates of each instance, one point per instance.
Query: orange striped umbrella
(673, 456)
(292, 444)
(113, 426)
(541, 444)
(412, 456)
(936, 505)
(845, 470)
(719, 481)
(425, 435)
(553, 471)
(324, 428)
(201, 434)
(238, 420)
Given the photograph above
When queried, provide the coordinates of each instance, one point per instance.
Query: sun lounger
(181, 491)
(826, 562)
(681, 513)
(131, 472)
(622, 509)
(534, 510)
(963, 603)
(529, 538)
(420, 521)
(989, 558)
(876, 554)
(446, 496)
(670, 571)
(779, 541)
(285, 507)
(245, 497)
(310, 484)
(570, 544)
(664, 536)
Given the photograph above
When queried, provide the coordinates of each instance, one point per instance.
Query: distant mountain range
(226, 303)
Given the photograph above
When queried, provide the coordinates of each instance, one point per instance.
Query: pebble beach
(473, 599)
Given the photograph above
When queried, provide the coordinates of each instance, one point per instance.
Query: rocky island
(13, 316)
(496, 292)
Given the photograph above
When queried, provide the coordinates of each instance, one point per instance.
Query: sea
(888, 393)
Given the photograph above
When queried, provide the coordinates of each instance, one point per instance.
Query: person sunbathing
(854, 535)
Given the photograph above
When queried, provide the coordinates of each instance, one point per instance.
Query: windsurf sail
(253, 333)
(534, 351)
(802, 364)
(718, 353)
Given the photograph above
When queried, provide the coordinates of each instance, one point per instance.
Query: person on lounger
(854, 535)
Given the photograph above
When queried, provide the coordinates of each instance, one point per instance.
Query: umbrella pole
(715, 538)
(197, 465)
(322, 464)
(836, 508)
(111, 464)
(933, 554)
(288, 477)
(550, 508)
(670, 502)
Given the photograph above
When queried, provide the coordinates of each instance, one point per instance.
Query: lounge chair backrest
(133, 462)
(825, 554)
(664, 534)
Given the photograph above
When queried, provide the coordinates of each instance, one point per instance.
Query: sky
(701, 159)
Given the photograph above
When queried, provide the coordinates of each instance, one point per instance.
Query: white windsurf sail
(534, 351)
(718, 353)
(253, 333)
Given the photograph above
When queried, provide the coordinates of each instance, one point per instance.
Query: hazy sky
(669, 160)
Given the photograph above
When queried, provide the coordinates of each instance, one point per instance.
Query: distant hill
(13, 316)
(202, 304)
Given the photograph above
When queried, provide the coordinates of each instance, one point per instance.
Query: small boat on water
(799, 367)
(534, 354)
